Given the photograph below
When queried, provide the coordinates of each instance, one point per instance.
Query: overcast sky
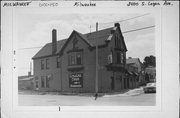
(34, 30)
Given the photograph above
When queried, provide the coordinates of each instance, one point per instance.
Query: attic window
(47, 63)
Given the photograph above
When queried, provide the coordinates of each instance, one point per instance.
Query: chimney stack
(54, 41)
(117, 25)
(96, 26)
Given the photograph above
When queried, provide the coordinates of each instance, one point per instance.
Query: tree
(149, 61)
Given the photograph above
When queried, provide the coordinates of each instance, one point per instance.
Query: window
(36, 82)
(75, 58)
(78, 58)
(117, 41)
(47, 80)
(42, 82)
(47, 63)
(72, 59)
(118, 58)
(122, 58)
(42, 64)
(58, 62)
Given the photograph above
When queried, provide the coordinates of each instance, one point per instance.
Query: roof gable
(47, 49)
(70, 38)
(123, 44)
(91, 39)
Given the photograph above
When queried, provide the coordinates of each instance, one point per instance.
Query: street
(66, 100)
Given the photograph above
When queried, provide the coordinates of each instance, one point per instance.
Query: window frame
(48, 78)
(42, 81)
(42, 64)
(47, 63)
(58, 62)
(73, 58)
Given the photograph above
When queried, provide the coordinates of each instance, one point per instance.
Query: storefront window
(47, 80)
(118, 58)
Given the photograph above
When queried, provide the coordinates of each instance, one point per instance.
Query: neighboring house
(135, 66)
(150, 74)
(25, 82)
(70, 64)
(135, 62)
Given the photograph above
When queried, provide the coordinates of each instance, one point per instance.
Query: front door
(112, 83)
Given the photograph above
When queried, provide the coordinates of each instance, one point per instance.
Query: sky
(34, 30)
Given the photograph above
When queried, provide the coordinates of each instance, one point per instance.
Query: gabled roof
(132, 61)
(92, 39)
(101, 35)
(47, 49)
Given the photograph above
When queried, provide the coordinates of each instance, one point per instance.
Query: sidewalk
(133, 92)
(126, 92)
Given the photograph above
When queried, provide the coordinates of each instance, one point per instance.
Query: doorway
(112, 83)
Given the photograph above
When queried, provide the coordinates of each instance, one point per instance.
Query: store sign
(76, 80)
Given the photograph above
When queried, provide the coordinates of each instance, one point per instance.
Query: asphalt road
(64, 100)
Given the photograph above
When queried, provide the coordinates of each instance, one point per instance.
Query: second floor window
(47, 63)
(42, 64)
(58, 62)
(120, 58)
(75, 58)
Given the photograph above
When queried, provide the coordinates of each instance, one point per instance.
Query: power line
(139, 29)
(30, 48)
(102, 36)
(125, 19)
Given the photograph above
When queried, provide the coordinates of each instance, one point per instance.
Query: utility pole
(96, 95)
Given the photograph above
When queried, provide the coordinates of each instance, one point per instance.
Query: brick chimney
(54, 41)
(116, 25)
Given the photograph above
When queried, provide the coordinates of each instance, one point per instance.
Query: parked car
(150, 88)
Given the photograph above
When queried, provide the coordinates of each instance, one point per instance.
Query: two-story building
(92, 62)
(135, 67)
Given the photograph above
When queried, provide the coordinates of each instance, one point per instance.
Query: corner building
(71, 65)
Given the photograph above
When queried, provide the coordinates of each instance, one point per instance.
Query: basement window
(47, 63)
(118, 58)
(122, 58)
